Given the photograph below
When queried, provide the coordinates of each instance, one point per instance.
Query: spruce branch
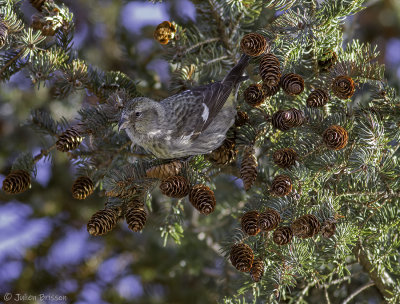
(383, 281)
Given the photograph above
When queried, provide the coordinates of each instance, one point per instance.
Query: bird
(188, 123)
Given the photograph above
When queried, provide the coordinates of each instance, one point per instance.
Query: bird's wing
(195, 109)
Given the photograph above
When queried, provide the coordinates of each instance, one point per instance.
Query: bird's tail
(235, 76)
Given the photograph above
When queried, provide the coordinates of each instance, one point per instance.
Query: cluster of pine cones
(253, 222)
(334, 137)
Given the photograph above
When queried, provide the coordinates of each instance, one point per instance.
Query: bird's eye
(138, 114)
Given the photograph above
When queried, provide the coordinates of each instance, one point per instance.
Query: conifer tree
(315, 141)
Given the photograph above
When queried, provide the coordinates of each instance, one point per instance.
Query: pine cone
(3, 33)
(292, 84)
(343, 87)
(285, 120)
(317, 98)
(268, 220)
(285, 158)
(306, 226)
(281, 185)
(335, 137)
(37, 22)
(241, 257)
(203, 199)
(270, 91)
(48, 29)
(175, 186)
(17, 181)
(69, 140)
(254, 95)
(328, 228)
(164, 32)
(248, 168)
(165, 170)
(327, 61)
(253, 44)
(270, 70)
(224, 154)
(249, 222)
(257, 270)
(38, 4)
(241, 119)
(82, 187)
(282, 235)
(135, 216)
(103, 221)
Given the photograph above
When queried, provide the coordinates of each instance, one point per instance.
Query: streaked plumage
(188, 123)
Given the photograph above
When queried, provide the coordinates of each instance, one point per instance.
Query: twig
(201, 43)
(217, 59)
(43, 152)
(328, 301)
(357, 291)
(16, 57)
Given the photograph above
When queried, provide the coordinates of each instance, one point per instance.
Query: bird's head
(141, 115)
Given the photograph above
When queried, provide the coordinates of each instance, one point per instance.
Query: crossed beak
(123, 123)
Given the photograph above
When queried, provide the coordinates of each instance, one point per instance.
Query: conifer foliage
(315, 141)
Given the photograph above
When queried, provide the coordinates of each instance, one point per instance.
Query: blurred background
(44, 245)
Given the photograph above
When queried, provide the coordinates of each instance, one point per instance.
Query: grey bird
(189, 123)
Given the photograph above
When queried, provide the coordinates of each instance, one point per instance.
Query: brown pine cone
(328, 228)
(270, 70)
(241, 119)
(253, 44)
(17, 181)
(292, 84)
(175, 186)
(335, 137)
(38, 4)
(285, 120)
(270, 91)
(241, 256)
(82, 187)
(306, 226)
(165, 170)
(285, 158)
(3, 33)
(103, 221)
(202, 198)
(135, 216)
(343, 87)
(249, 222)
(327, 61)
(268, 220)
(248, 168)
(254, 95)
(224, 154)
(257, 270)
(37, 22)
(317, 98)
(297, 117)
(164, 32)
(282, 235)
(69, 140)
(281, 185)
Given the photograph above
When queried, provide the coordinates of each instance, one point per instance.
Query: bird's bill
(122, 124)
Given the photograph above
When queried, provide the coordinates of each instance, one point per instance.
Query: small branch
(357, 291)
(201, 43)
(16, 57)
(217, 59)
(328, 301)
(43, 152)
